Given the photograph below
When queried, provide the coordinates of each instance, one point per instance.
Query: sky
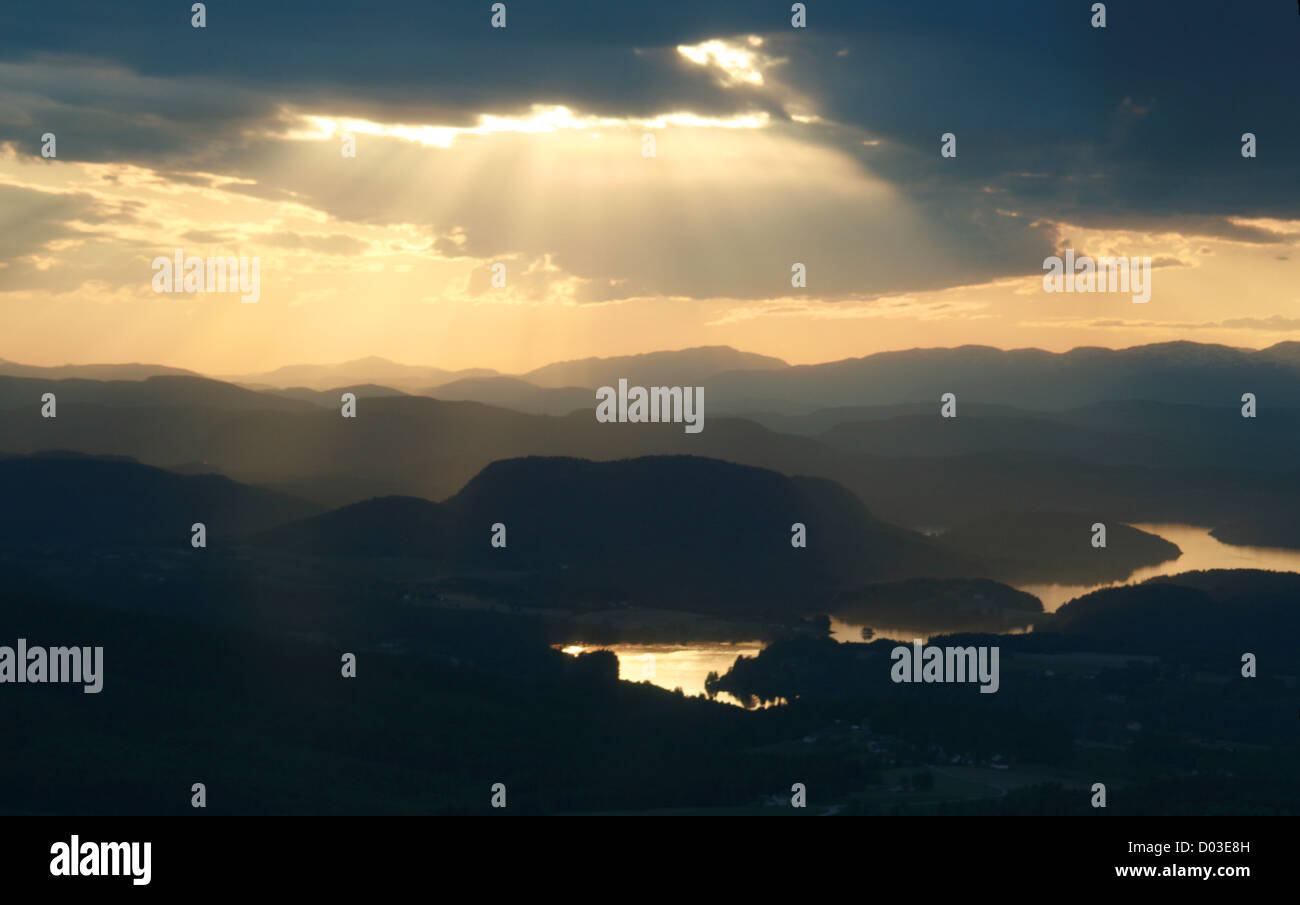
(525, 147)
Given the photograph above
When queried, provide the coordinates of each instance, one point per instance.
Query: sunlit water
(852, 631)
(686, 664)
(1200, 552)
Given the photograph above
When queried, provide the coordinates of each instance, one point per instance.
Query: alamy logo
(946, 664)
(1085, 274)
(656, 404)
(194, 274)
(102, 859)
(58, 664)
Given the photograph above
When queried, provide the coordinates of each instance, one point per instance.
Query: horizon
(378, 359)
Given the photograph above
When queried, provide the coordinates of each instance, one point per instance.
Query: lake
(684, 665)
(1200, 552)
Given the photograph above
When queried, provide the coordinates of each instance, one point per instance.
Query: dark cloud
(1142, 119)
(1135, 126)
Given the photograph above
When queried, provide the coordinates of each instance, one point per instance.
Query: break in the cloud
(523, 145)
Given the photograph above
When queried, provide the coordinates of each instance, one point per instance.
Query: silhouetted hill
(676, 531)
(1056, 547)
(416, 446)
(514, 393)
(678, 368)
(1286, 352)
(943, 492)
(358, 371)
(820, 421)
(938, 605)
(1176, 372)
(1218, 614)
(92, 371)
(71, 500)
(1276, 528)
(1182, 373)
(930, 435)
(1191, 435)
(19, 392)
(331, 398)
(1124, 432)
(1131, 460)
(687, 527)
(412, 446)
(386, 526)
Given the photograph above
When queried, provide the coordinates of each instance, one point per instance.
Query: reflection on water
(1200, 552)
(685, 665)
(672, 666)
(849, 631)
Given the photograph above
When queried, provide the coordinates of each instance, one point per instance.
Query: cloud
(73, 230)
(886, 308)
(1116, 129)
(333, 244)
(1277, 323)
(207, 237)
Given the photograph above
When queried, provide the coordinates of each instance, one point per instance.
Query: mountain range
(742, 382)
(1133, 456)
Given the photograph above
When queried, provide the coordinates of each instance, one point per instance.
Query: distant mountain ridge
(1134, 460)
(736, 382)
(676, 368)
(1174, 372)
(743, 382)
(164, 390)
(514, 393)
(1133, 457)
(370, 370)
(93, 371)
